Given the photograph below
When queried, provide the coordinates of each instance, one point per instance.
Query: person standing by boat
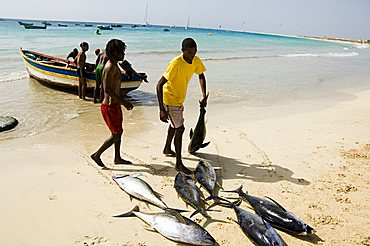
(171, 93)
(100, 62)
(81, 70)
(73, 54)
(111, 105)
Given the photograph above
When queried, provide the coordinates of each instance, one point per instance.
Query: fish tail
(216, 199)
(130, 213)
(238, 190)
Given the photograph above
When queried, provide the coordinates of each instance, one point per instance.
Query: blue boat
(105, 27)
(60, 73)
(25, 23)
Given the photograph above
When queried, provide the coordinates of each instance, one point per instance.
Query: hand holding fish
(203, 102)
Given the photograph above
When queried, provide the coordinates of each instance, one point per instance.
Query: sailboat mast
(187, 24)
(146, 15)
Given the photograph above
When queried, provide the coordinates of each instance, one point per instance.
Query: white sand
(311, 157)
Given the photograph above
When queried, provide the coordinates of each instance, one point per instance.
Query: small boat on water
(88, 25)
(117, 25)
(58, 73)
(62, 25)
(25, 23)
(46, 23)
(35, 27)
(165, 29)
(105, 27)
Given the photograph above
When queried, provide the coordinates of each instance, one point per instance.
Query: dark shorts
(113, 117)
(81, 72)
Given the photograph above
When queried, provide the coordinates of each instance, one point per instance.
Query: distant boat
(25, 23)
(2, 19)
(55, 73)
(88, 25)
(146, 16)
(62, 25)
(77, 24)
(35, 27)
(46, 23)
(165, 29)
(117, 25)
(104, 27)
(134, 26)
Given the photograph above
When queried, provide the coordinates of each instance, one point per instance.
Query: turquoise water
(257, 69)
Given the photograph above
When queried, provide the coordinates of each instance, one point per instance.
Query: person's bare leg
(96, 156)
(84, 85)
(178, 145)
(167, 148)
(117, 151)
(80, 88)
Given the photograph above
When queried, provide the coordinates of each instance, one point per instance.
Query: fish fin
(240, 189)
(216, 198)
(129, 214)
(178, 216)
(194, 213)
(204, 145)
(114, 177)
(147, 205)
(158, 194)
(148, 228)
(218, 183)
(276, 203)
(191, 133)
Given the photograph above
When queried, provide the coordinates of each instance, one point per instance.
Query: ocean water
(256, 69)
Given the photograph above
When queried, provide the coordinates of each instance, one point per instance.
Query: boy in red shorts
(111, 105)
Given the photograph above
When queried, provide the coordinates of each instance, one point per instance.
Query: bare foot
(183, 169)
(97, 160)
(122, 162)
(169, 153)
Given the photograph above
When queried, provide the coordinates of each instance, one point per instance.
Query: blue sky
(336, 18)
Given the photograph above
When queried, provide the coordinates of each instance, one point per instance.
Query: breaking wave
(12, 76)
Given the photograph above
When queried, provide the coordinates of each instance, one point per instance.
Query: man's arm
(97, 60)
(108, 77)
(203, 86)
(162, 111)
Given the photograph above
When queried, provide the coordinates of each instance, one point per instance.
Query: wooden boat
(88, 25)
(105, 27)
(117, 25)
(54, 72)
(35, 27)
(25, 23)
(62, 25)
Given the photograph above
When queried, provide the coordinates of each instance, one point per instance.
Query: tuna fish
(256, 229)
(205, 174)
(139, 189)
(275, 214)
(199, 134)
(174, 226)
(190, 194)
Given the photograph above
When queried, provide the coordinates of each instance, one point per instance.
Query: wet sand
(310, 156)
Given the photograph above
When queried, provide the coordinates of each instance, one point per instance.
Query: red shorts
(112, 115)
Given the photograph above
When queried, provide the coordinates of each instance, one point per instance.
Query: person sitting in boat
(81, 70)
(72, 56)
(99, 66)
(130, 71)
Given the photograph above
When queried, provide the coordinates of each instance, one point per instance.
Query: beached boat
(105, 27)
(25, 23)
(54, 72)
(35, 27)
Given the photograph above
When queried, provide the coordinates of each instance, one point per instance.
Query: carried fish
(199, 134)
(139, 189)
(256, 229)
(174, 226)
(190, 194)
(206, 175)
(275, 214)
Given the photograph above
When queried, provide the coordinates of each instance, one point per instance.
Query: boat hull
(56, 74)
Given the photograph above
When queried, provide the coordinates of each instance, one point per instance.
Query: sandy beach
(312, 156)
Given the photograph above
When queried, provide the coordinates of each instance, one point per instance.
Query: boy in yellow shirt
(171, 93)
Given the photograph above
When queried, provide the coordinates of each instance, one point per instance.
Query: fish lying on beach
(139, 189)
(206, 175)
(7, 123)
(190, 194)
(256, 229)
(199, 134)
(275, 214)
(174, 226)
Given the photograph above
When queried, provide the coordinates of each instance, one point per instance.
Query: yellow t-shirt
(178, 75)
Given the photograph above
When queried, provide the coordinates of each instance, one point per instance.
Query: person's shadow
(233, 169)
